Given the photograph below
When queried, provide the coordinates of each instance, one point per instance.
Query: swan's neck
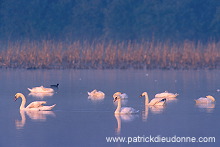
(118, 107)
(23, 102)
(146, 99)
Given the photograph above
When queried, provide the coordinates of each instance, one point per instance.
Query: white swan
(123, 95)
(155, 101)
(166, 94)
(208, 99)
(41, 89)
(123, 110)
(96, 93)
(37, 105)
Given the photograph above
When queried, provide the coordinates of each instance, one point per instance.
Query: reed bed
(109, 55)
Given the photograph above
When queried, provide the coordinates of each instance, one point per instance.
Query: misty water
(79, 121)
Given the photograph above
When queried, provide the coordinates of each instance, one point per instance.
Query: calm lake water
(79, 121)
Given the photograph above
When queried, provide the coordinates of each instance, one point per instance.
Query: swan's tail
(134, 112)
(46, 108)
(196, 101)
(53, 106)
(29, 89)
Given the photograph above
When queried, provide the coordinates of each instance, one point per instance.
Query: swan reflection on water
(208, 107)
(40, 95)
(157, 109)
(123, 118)
(153, 109)
(171, 100)
(38, 116)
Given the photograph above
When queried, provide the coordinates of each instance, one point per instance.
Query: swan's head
(143, 94)
(211, 98)
(116, 98)
(116, 93)
(17, 95)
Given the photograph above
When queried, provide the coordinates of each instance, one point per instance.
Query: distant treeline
(110, 19)
(108, 55)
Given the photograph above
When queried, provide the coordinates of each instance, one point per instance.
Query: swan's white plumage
(96, 93)
(155, 101)
(37, 105)
(123, 110)
(208, 99)
(123, 95)
(41, 89)
(166, 94)
(203, 100)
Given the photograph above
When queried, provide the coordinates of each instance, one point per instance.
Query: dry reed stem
(102, 55)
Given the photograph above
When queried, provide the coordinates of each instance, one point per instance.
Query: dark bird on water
(55, 86)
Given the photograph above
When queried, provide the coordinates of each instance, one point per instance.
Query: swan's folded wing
(100, 93)
(155, 101)
(203, 100)
(46, 89)
(34, 89)
(172, 95)
(162, 101)
(162, 95)
(36, 104)
(44, 108)
(124, 95)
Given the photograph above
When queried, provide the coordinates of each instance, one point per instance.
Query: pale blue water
(79, 121)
